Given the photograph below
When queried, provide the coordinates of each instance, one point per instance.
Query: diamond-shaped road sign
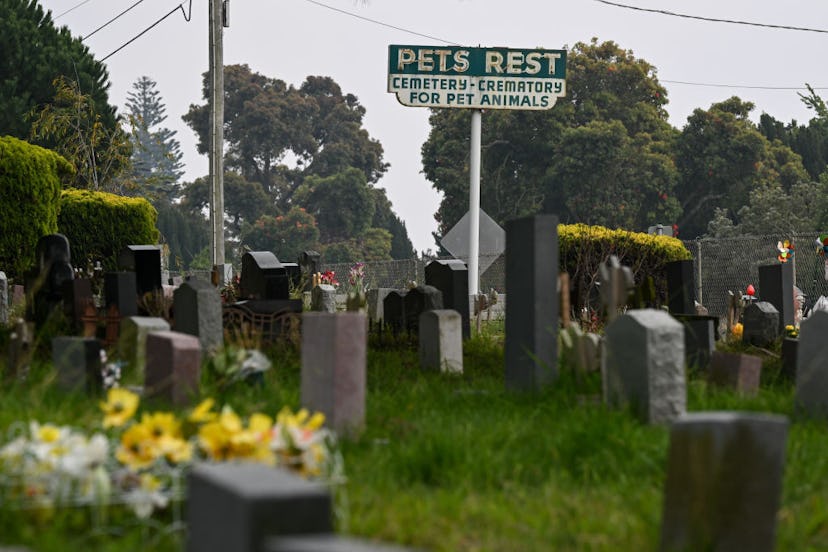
(492, 241)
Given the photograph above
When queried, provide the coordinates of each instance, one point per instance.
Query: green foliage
(285, 235)
(583, 248)
(341, 204)
(185, 233)
(71, 122)
(30, 181)
(244, 201)
(100, 225)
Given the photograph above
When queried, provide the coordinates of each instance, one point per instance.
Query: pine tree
(156, 154)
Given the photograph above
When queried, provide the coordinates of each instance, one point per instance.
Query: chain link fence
(730, 264)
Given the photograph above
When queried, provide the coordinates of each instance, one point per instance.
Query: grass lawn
(450, 463)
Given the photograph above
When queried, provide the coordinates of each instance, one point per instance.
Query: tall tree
(722, 159)
(34, 53)
(244, 202)
(532, 160)
(156, 153)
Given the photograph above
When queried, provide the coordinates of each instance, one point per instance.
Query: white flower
(146, 497)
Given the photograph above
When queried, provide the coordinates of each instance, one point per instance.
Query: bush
(29, 191)
(100, 225)
(583, 248)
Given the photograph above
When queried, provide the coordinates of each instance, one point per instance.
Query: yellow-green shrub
(583, 248)
(100, 225)
(29, 191)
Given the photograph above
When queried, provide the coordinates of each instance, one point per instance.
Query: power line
(356, 15)
(745, 86)
(187, 17)
(73, 8)
(713, 19)
(111, 20)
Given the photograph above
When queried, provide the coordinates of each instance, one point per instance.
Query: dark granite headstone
(681, 285)
(761, 324)
(393, 308)
(53, 269)
(120, 289)
(77, 361)
(235, 506)
(699, 339)
(197, 309)
(294, 275)
(451, 277)
(309, 265)
(375, 299)
(724, 482)
(531, 350)
(145, 262)
(417, 301)
(76, 295)
(776, 286)
(263, 277)
(789, 354)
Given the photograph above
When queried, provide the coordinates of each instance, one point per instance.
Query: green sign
(479, 78)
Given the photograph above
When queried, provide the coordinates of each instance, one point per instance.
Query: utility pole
(217, 140)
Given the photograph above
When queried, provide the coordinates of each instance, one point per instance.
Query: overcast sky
(291, 39)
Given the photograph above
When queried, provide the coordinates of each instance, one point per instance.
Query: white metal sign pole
(474, 200)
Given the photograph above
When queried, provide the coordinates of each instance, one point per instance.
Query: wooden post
(563, 285)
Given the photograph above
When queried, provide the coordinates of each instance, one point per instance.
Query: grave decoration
(140, 463)
(356, 299)
(786, 251)
(822, 247)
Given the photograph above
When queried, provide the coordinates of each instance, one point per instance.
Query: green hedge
(583, 248)
(29, 192)
(100, 225)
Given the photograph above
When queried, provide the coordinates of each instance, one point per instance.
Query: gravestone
(263, 277)
(308, 266)
(145, 262)
(235, 506)
(531, 349)
(643, 365)
(333, 367)
(811, 395)
(323, 298)
(616, 284)
(681, 287)
(451, 277)
(375, 298)
(4, 298)
(789, 354)
(417, 301)
(46, 281)
(699, 339)
(737, 371)
(77, 361)
(197, 308)
(324, 543)
(121, 290)
(776, 286)
(724, 482)
(132, 340)
(580, 350)
(173, 367)
(761, 324)
(77, 294)
(441, 341)
(393, 308)
(18, 296)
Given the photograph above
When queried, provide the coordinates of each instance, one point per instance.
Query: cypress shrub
(30, 181)
(100, 225)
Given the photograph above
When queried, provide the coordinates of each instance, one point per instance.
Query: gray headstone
(235, 506)
(4, 298)
(724, 482)
(776, 286)
(417, 301)
(132, 340)
(173, 367)
(325, 543)
(77, 361)
(120, 289)
(197, 311)
(643, 365)
(531, 349)
(737, 371)
(441, 341)
(333, 367)
(375, 298)
(761, 324)
(812, 367)
(323, 298)
(451, 277)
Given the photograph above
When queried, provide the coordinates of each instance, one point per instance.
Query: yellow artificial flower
(737, 330)
(260, 423)
(214, 440)
(203, 412)
(301, 419)
(229, 420)
(162, 425)
(176, 450)
(119, 407)
(138, 449)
